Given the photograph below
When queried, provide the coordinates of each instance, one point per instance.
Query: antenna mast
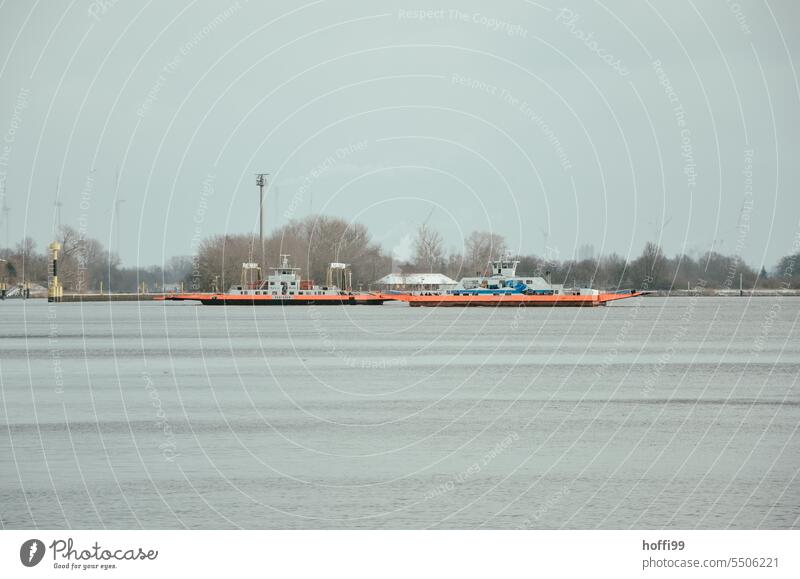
(261, 182)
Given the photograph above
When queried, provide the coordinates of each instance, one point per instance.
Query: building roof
(416, 279)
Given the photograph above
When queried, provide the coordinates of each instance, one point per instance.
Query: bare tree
(482, 246)
(647, 269)
(177, 268)
(313, 243)
(428, 248)
(787, 272)
(455, 266)
(219, 259)
(30, 265)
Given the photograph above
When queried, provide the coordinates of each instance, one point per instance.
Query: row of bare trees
(651, 269)
(313, 243)
(316, 241)
(86, 266)
(479, 247)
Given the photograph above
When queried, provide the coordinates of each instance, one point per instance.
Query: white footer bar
(401, 554)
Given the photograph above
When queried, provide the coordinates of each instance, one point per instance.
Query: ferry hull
(249, 301)
(266, 300)
(516, 300)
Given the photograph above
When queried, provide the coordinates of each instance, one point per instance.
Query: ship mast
(261, 182)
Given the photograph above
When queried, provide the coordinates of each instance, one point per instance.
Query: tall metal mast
(261, 181)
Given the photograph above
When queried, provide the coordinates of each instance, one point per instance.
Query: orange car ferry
(504, 288)
(285, 287)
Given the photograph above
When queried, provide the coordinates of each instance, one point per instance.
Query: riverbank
(138, 297)
(121, 297)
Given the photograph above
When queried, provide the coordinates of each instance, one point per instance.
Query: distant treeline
(318, 240)
(85, 265)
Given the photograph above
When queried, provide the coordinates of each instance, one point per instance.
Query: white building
(416, 282)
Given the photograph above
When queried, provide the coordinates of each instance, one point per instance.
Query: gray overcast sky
(602, 123)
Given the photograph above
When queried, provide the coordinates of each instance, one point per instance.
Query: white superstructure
(286, 281)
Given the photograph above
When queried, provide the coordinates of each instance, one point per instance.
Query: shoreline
(709, 293)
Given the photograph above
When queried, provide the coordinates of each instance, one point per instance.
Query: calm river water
(654, 412)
